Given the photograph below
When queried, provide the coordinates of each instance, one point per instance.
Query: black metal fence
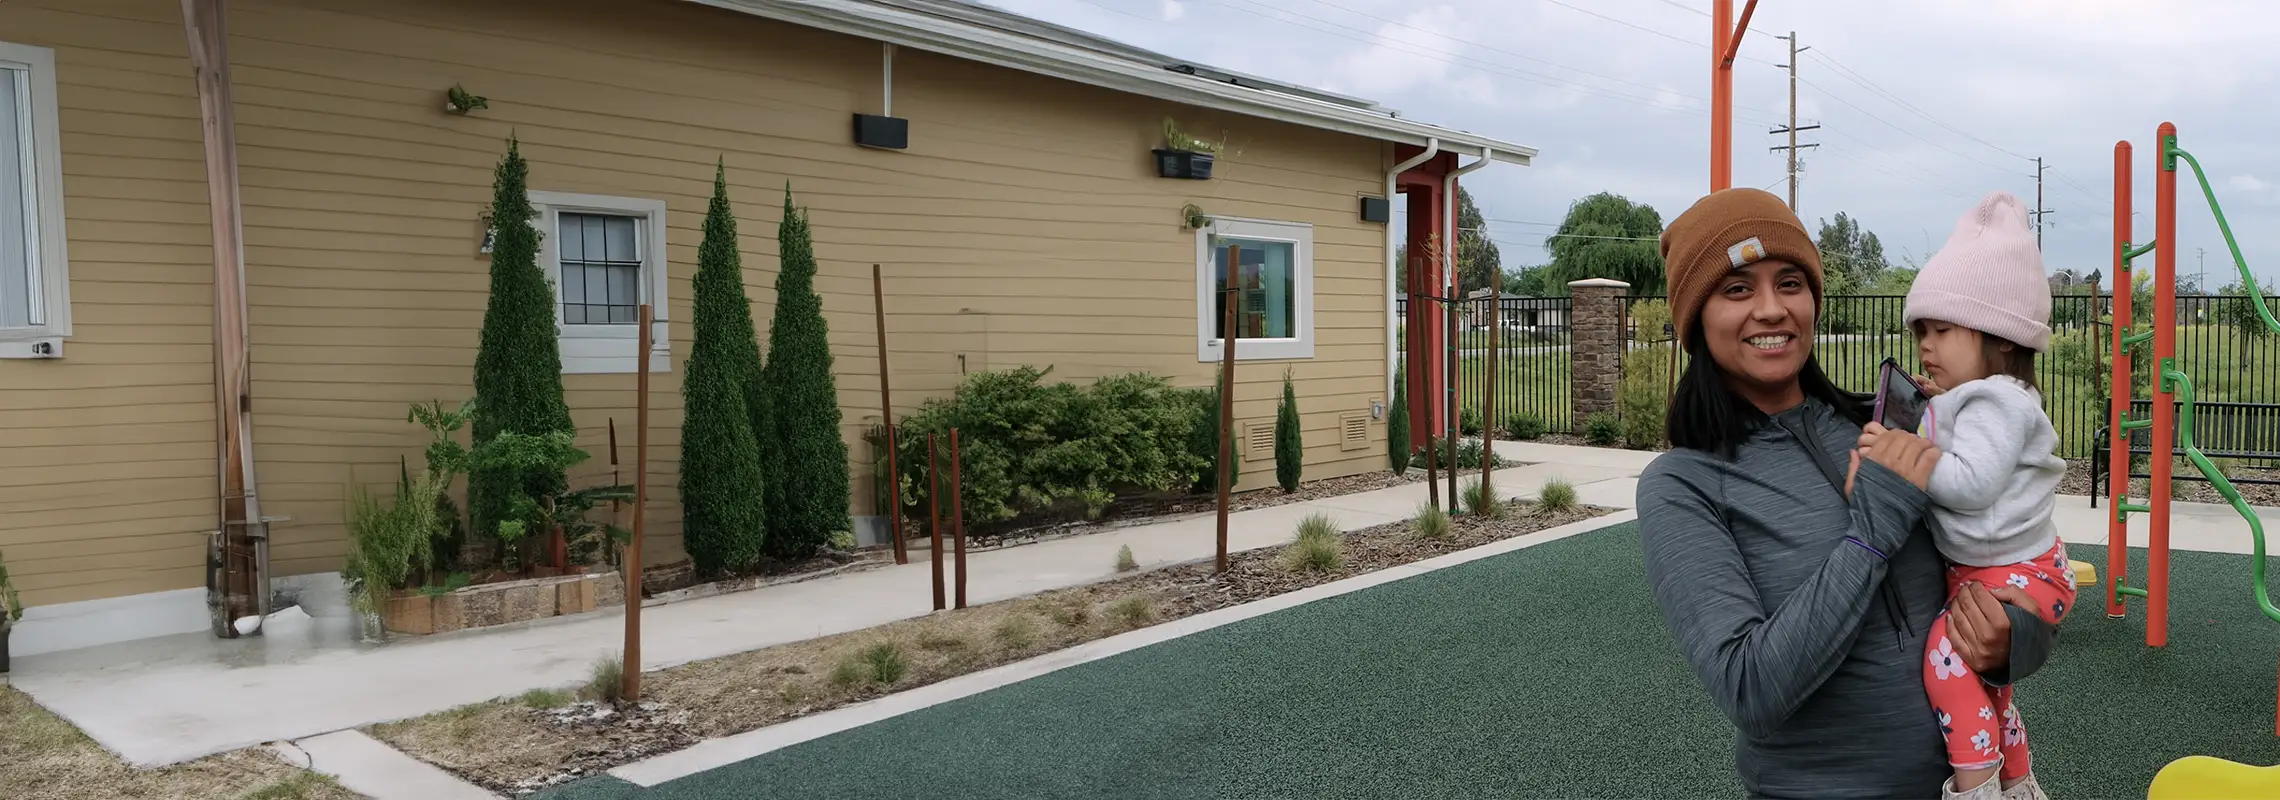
(2229, 353)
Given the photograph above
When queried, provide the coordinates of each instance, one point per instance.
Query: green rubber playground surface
(1541, 673)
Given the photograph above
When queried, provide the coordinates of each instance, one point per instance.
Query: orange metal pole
(2164, 405)
(1721, 97)
(2117, 439)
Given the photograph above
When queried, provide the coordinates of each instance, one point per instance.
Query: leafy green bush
(807, 472)
(1203, 439)
(1436, 454)
(1397, 424)
(389, 541)
(724, 508)
(1525, 426)
(11, 606)
(1027, 445)
(1603, 429)
(447, 460)
(1468, 421)
(518, 365)
(1642, 397)
(1290, 446)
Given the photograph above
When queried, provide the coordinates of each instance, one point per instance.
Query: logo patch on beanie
(1749, 251)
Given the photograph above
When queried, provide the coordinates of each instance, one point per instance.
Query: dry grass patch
(43, 757)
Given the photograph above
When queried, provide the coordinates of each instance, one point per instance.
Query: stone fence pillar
(1595, 346)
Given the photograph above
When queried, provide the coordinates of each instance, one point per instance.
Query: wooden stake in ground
(631, 659)
(887, 415)
(1230, 296)
(1449, 309)
(934, 516)
(958, 516)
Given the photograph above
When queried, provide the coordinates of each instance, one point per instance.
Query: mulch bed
(509, 748)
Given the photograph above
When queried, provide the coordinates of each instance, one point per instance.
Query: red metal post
(2117, 438)
(958, 516)
(1231, 296)
(630, 658)
(1721, 97)
(887, 416)
(1449, 357)
(2164, 404)
(934, 512)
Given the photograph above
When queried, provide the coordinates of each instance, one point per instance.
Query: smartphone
(1900, 402)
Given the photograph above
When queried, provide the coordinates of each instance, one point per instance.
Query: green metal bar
(2131, 591)
(2216, 477)
(2247, 280)
(2136, 339)
(2133, 424)
(2136, 508)
(2131, 254)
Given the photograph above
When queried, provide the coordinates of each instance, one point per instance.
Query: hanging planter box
(1187, 164)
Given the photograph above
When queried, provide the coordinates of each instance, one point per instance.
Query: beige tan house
(302, 151)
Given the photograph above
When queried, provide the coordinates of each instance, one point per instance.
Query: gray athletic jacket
(1811, 644)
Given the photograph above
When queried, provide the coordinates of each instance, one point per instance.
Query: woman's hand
(1978, 628)
(1900, 451)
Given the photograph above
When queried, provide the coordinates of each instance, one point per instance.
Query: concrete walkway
(172, 699)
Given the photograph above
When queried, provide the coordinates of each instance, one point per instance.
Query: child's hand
(1930, 389)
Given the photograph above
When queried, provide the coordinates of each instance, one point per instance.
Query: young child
(1980, 310)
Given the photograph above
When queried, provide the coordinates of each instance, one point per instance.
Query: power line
(1889, 124)
(2109, 201)
(1635, 26)
(1851, 75)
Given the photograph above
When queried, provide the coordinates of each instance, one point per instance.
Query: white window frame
(1207, 272)
(607, 349)
(50, 264)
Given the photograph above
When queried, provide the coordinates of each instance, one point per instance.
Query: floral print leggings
(1981, 725)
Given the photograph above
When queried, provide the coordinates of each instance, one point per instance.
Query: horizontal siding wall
(107, 461)
(1024, 225)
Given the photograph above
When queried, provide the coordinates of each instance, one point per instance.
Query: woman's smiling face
(1758, 327)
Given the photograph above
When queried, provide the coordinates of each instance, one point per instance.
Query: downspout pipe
(1392, 267)
(1449, 278)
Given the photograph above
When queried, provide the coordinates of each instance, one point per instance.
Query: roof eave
(934, 34)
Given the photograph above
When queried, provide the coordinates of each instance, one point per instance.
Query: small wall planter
(1185, 164)
(503, 603)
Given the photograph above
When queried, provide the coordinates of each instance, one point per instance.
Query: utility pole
(2039, 209)
(2201, 270)
(1792, 127)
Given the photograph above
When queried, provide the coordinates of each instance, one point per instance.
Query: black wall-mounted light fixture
(1376, 209)
(890, 133)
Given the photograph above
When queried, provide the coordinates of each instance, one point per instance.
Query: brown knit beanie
(1723, 232)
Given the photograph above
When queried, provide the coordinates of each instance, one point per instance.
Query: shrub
(1124, 560)
(1317, 547)
(11, 606)
(447, 459)
(1643, 397)
(850, 672)
(1028, 445)
(1017, 632)
(388, 540)
(808, 501)
(1468, 421)
(1203, 440)
(545, 698)
(607, 683)
(886, 662)
(1602, 429)
(1133, 611)
(723, 492)
(1524, 426)
(1431, 522)
(1480, 499)
(1436, 453)
(1397, 424)
(518, 364)
(1073, 615)
(1290, 445)
(1557, 495)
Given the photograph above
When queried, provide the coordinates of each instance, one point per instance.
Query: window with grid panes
(601, 260)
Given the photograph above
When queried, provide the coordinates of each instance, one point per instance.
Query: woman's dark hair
(1707, 414)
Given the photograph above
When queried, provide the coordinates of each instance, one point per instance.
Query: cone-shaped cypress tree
(724, 513)
(518, 367)
(1290, 450)
(807, 498)
(1397, 450)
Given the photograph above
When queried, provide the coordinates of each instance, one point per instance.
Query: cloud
(1403, 56)
(1173, 10)
(2249, 183)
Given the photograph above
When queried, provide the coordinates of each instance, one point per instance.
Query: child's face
(1952, 354)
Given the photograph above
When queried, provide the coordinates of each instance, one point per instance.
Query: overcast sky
(1926, 106)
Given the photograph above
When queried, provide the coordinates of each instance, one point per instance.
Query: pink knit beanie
(1988, 277)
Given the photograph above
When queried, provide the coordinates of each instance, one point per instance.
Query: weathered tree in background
(518, 365)
(723, 497)
(1606, 236)
(808, 483)
(2238, 311)
(1478, 263)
